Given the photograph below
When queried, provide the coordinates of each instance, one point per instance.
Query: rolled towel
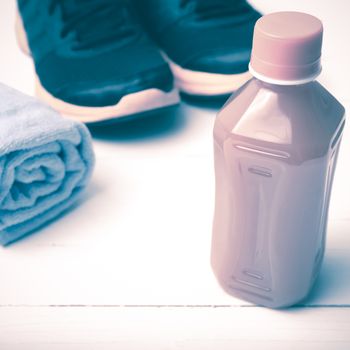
(45, 163)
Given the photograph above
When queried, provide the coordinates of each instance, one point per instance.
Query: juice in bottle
(276, 142)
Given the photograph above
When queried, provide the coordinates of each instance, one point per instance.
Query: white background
(129, 267)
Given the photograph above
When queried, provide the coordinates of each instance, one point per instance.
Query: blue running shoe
(207, 42)
(92, 59)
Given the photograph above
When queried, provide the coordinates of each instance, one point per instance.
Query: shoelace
(95, 23)
(216, 10)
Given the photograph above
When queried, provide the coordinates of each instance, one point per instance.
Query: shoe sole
(131, 104)
(206, 84)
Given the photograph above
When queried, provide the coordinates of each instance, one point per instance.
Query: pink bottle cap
(287, 48)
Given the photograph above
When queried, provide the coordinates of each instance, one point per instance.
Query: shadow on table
(140, 127)
(211, 102)
(43, 237)
(333, 281)
(153, 124)
(331, 286)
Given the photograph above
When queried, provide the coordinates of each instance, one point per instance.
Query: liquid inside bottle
(275, 151)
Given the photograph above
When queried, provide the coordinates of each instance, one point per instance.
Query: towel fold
(45, 163)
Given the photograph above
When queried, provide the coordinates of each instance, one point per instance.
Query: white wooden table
(129, 267)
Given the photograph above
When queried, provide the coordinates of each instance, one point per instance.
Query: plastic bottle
(276, 143)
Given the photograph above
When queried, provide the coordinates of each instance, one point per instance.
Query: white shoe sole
(206, 84)
(131, 104)
(135, 103)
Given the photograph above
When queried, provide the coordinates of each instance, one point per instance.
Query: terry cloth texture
(45, 163)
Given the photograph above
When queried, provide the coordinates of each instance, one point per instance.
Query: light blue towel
(45, 162)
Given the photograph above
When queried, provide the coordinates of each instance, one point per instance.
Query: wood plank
(130, 244)
(143, 234)
(203, 328)
(102, 253)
